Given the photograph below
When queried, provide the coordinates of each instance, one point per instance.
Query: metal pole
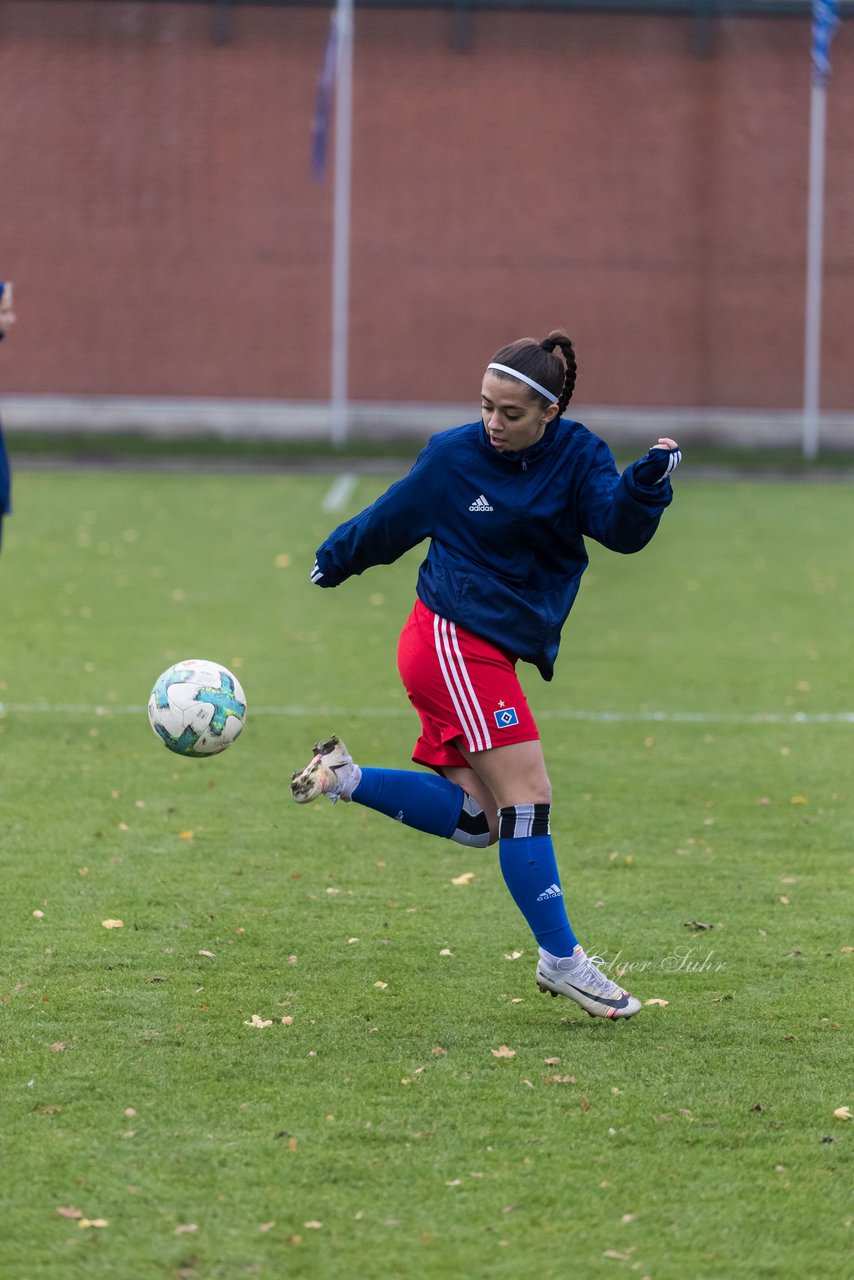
(341, 223)
(815, 218)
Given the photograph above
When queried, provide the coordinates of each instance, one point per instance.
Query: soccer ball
(197, 708)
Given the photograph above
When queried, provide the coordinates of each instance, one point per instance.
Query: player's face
(512, 415)
(7, 315)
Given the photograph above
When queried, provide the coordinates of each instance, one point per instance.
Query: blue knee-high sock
(424, 801)
(527, 859)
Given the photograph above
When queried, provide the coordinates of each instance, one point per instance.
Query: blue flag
(323, 103)
(825, 20)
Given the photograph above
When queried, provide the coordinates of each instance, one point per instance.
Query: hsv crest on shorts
(505, 717)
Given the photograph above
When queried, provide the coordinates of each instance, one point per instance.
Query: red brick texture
(166, 237)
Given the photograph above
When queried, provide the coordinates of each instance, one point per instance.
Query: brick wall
(166, 237)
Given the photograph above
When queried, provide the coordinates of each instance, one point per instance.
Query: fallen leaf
(185, 1228)
(446, 951)
(85, 1223)
(503, 1052)
(266, 1226)
(847, 951)
(455, 1182)
(287, 1020)
(313, 1226)
(799, 800)
(551, 1062)
(843, 1113)
(784, 900)
(662, 1003)
(185, 835)
(628, 1217)
(697, 925)
(112, 924)
(68, 1211)
(39, 915)
(292, 1144)
(210, 954)
(58, 1046)
(294, 1240)
(465, 878)
(617, 1255)
(380, 986)
(513, 955)
(130, 1112)
(255, 1021)
(438, 1052)
(585, 1104)
(561, 1080)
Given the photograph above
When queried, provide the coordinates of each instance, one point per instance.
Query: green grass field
(413, 1107)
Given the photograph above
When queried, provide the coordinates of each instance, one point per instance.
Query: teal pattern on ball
(224, 699)
(170, 677)
(182, 746)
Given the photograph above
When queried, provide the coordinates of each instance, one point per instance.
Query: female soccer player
(506, 502)
(7, 318)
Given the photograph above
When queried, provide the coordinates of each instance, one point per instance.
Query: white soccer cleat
(578, 978)
(331, 772)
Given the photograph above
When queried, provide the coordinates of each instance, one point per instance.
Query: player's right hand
(656, 465)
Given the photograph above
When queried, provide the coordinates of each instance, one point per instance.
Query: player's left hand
(656, 465)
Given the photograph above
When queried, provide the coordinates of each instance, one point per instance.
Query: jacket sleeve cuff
(657, 496)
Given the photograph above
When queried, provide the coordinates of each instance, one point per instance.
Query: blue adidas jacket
(507, 531)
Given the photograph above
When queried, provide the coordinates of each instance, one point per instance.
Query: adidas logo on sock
(480, 504)
(553, 891)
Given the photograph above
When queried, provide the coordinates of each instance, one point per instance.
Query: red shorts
(462, 687)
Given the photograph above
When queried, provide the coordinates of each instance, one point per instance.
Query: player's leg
(427, 802)
(516, 776)
(450, 801)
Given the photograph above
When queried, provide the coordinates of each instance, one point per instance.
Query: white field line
(339, 493)
(340, 713)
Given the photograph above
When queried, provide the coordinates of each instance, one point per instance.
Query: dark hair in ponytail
(540, 361)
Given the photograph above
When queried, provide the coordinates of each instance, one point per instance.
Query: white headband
(503, 368)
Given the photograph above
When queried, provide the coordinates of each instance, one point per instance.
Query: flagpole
(340, 415)
(824, 23)
(815, 219)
